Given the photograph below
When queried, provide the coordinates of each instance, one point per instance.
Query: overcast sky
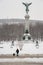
(15, 9)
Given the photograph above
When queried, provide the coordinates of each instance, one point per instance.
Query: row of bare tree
(36, 31)
(13, 31)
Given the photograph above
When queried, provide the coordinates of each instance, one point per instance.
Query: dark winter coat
(17, 51)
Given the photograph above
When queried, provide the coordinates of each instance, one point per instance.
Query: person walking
(17, 51)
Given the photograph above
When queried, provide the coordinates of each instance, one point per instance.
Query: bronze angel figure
(27, 5)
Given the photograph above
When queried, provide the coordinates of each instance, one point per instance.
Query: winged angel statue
(27, 5)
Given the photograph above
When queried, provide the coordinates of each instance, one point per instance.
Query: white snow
(36, 60)
(31, 48)
(28, 47)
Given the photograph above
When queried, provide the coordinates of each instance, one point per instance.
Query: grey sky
(15, 9)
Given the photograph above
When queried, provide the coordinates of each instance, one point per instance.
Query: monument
(27, 35)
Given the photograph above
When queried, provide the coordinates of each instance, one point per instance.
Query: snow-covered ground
(29, 47)
(36, 60)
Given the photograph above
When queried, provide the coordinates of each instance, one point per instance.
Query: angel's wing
(24, 3)
(29, 3)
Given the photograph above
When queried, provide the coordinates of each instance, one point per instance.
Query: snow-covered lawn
(28, 47)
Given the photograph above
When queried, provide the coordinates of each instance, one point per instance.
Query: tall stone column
(27, 22)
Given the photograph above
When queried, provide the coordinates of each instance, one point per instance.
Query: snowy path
(36, 60)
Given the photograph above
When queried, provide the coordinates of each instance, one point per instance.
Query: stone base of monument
(26, 36)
